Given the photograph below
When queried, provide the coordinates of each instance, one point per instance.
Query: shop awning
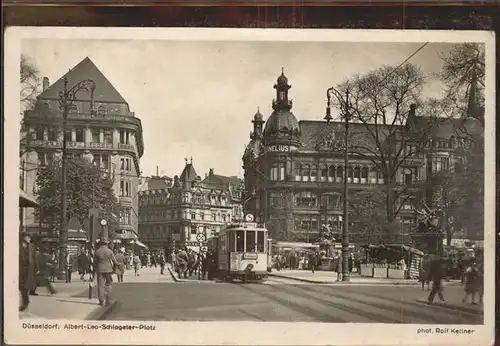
(138, 243)
(26, 200)
(295, 245)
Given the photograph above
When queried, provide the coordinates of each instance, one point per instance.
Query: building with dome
(190, 207)
(294, 170)
(110, 137)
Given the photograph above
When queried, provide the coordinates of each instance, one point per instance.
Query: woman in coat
(28, 269)
(83, 264)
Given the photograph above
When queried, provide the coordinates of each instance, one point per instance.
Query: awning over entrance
(138, 243)
(26, 200)
(293, 245)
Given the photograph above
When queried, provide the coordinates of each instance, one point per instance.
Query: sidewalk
(71, 300)
(327, 277)
(62, 305)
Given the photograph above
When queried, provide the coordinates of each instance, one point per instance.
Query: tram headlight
(249, 267)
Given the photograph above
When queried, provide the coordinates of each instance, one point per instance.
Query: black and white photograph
(244, 186)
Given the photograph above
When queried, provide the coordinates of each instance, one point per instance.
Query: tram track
(411, 304)
(321, 317)
(336, 292)
(299, 291)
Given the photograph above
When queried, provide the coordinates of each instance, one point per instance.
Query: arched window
(357, 175)
(73, 109)
(324, 173)
(46, 109)
(313, 173)
(331, 173)
(350, 173)
(364, 175)
(306, 172)
(297, 169)
(340, 174)
(101, 110)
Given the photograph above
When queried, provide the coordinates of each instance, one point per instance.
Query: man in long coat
(104, 261)
(28, 269)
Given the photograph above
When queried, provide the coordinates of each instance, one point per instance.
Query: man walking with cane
(104, 262)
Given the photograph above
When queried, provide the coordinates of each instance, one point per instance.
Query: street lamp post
(345, 106)
(67, 99)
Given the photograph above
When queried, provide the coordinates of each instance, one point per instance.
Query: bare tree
(463, 74)
(383, 104)
(30, 83)
(460, 194)
(368, 216)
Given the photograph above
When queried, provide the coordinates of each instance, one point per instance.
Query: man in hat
(104, 261)
(28, 269)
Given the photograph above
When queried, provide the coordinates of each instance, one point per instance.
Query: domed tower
(282, 128)
(252, 162)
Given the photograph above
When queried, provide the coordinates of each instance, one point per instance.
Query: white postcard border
(246, 333)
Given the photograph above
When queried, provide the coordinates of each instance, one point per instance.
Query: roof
(221, 180)
(314, 133)
(156, 183)
(281, 120)
(189, 173)
(447, 127)
(86, 69)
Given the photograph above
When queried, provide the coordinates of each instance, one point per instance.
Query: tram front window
(240, 241)
(251, 241)
(260, 241)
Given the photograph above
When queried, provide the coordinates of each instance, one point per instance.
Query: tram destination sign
(250, 256)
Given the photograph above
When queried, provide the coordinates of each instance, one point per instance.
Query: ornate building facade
(294, 171)
(110, 137)
(190, 207)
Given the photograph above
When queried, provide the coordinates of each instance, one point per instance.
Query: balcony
(95, 145)
(37, 143)
(75, 145)
(80, 145)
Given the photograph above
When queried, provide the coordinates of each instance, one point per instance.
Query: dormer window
(73, 109)
(101, 110)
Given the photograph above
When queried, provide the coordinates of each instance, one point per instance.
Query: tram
(242, 251)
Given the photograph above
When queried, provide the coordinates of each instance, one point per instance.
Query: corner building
(294, 171)
(188, 208)
(111, 139)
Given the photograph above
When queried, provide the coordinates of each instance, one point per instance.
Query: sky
(197, 98)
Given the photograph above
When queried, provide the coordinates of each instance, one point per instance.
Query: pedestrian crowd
(470, 272)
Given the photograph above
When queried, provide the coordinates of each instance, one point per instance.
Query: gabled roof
(221, 180)
(314, 133)
(85, 69)
(188, 174)
(156, 183)
(448, 127)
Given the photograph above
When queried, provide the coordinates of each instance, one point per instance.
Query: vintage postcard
(241, 186)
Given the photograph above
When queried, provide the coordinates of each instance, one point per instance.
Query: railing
(94, 145)
(80, 145)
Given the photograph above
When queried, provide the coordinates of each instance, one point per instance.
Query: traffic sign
(201, 237)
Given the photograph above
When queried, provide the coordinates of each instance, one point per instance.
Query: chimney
(45, 83)
(211, 171)
(412, 110)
